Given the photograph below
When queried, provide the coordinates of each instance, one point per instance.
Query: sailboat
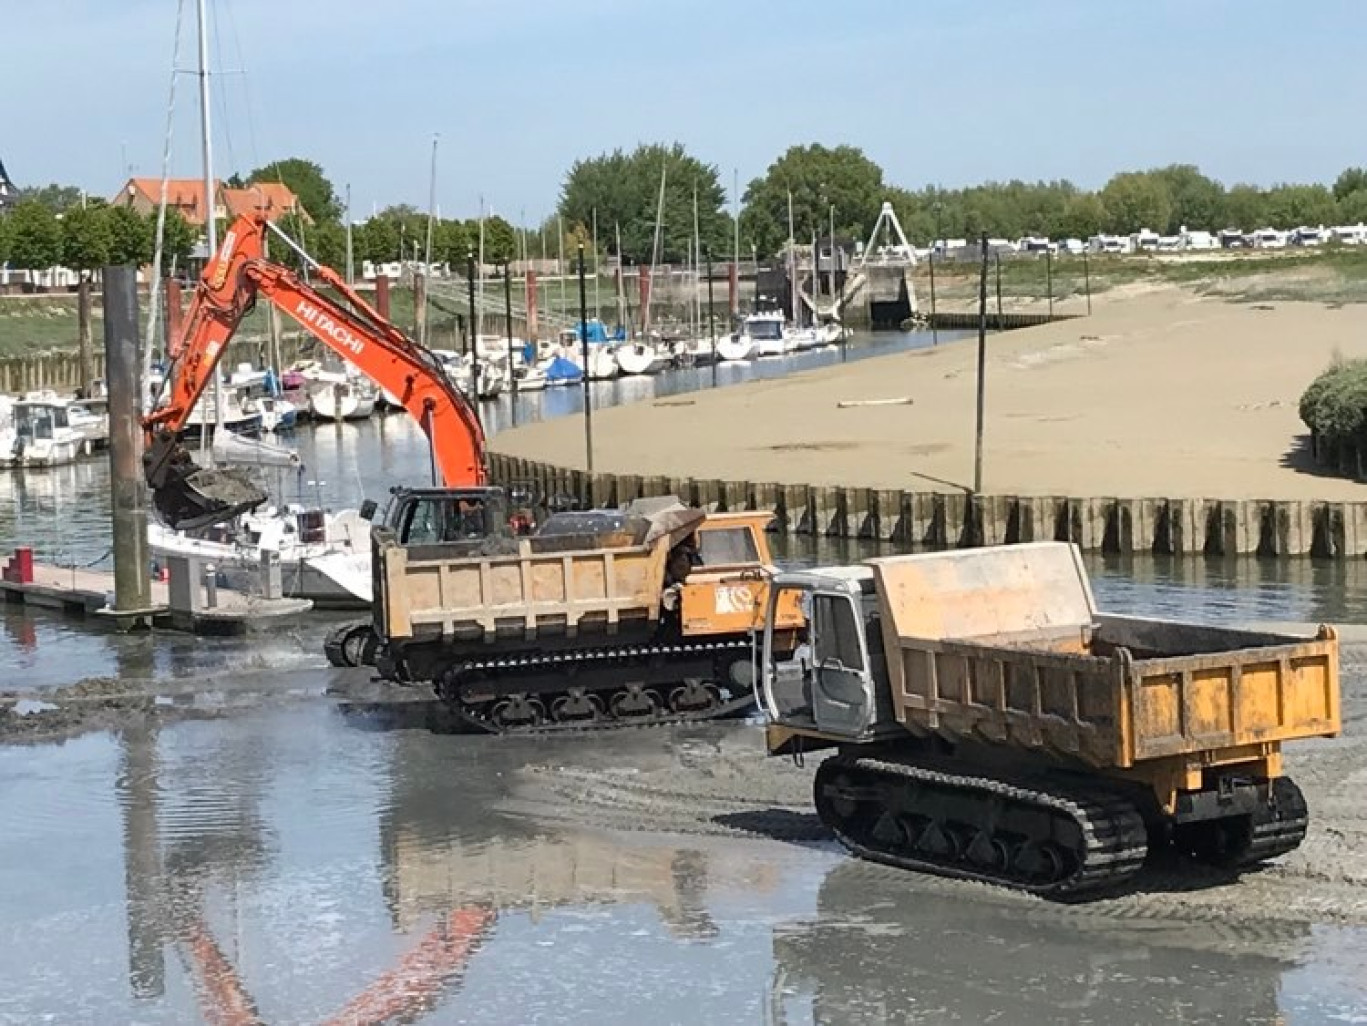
(323, 556)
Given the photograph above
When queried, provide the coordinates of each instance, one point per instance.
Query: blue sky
(950, 93)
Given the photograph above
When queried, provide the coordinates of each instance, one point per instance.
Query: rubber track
(1112, 827)
(1279, 827)
(334, 644)
(623, 654)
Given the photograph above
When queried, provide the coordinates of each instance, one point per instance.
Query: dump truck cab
(826, 681)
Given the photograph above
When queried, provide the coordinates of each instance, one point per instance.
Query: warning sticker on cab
(734, 598)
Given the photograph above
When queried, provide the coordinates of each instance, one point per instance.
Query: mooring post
(982, 371)
(999, 291)
(128, 489)
(508, 317)
(711, 316)
(934, 321)
(87, 368)
(1049, 275)
(1087, 282)
(584, 343)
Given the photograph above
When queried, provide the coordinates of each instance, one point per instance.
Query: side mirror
(368, 509)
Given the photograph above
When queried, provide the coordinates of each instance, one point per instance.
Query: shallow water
(296, 863)
(278, 866)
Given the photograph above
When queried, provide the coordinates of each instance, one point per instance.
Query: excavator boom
(189, 496)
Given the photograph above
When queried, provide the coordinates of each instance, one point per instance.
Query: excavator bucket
(188, 496)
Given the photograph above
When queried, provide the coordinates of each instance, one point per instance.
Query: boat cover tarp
(561, 369)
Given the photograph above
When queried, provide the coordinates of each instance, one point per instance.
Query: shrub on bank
(1334, 408)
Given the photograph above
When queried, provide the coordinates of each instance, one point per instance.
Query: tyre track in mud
(734, 790)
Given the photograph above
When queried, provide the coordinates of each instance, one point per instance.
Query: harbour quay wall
(938, 520)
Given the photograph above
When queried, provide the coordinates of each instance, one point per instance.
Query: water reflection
(886, 949)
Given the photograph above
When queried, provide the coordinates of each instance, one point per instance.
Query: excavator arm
(190, 496)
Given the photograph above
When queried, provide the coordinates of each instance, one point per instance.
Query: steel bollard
(210, 586)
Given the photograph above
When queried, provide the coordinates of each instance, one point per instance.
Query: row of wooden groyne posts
(936, 520)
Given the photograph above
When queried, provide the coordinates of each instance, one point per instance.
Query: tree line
(647, 203)
(87, 235)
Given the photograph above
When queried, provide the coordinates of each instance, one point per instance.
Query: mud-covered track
(1057, 843)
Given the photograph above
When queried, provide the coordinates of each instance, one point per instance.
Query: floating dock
(88, 593)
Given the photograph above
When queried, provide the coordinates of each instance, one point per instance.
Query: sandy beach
(1160, 393)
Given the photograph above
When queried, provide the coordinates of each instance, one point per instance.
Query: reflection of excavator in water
(189, 496)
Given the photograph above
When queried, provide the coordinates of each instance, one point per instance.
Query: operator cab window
(727, 546)
(837, 632)
(436, 521)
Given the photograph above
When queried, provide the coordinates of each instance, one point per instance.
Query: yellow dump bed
(481, 597)
(1005, 645)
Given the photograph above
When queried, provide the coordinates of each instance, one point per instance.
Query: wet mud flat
(288, 842)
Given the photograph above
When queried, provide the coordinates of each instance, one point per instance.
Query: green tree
(1135, 200)
(500, 239)
(307, 181)
(1351, 180)
(1244, 208)
(1083, 216)
(817, 178)
(35, 236)
(1290, 206)
(1353, 207)
(87, 238)
(623, 189)
(1197, 201)
(57, 198)
(178, 239)
(131, 236)
(326, 243)
(4, 240)
(376, 239)
(451, 243)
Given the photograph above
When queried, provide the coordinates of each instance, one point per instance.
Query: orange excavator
(189, 496)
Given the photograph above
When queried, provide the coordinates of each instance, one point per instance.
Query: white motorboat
(802, 338)
(529, 379)
(277, 415)
(490, 380)
(235, 418)
(766, 330)
(324, 557)
(90, 419)
(641, 358)
(345, 399)
(38, 433)
(738, 347)
(602, 362)
(701, 351)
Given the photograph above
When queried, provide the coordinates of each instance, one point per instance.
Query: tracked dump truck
(989, 723)
(599, 618)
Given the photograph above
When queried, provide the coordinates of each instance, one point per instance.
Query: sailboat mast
(655, 248)
(427, 249)
(792, 260)
(697, 268)
(621, 280)
(597, 274)
(210, 228)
